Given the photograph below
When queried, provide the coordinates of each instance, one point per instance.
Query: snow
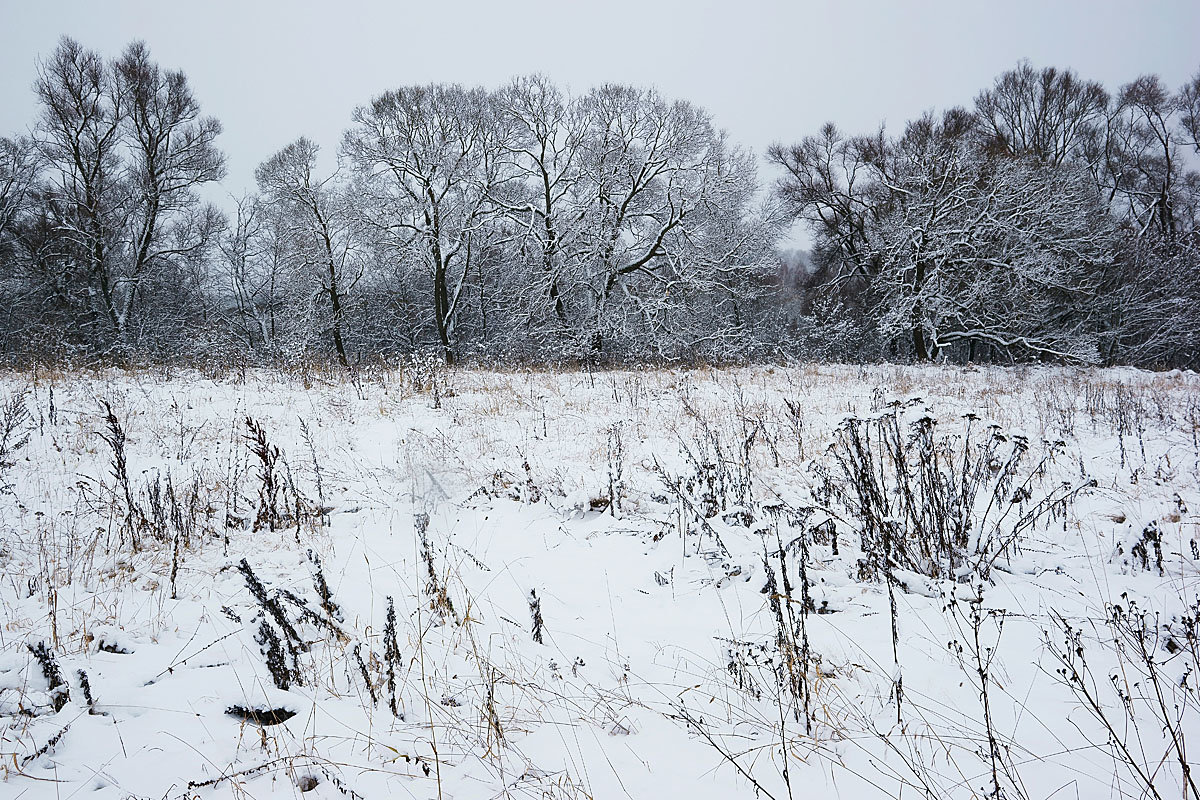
(645, 627)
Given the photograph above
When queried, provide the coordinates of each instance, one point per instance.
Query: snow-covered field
(465, 584)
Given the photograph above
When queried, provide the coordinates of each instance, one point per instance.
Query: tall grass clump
(941, 505)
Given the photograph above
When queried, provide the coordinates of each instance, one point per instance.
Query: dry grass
(411, 435)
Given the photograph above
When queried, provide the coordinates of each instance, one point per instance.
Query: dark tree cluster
(104, 241)
(1052, 221)
(529, 225)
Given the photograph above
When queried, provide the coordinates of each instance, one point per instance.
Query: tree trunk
(441, 306)
(336, 302)
(335, 299)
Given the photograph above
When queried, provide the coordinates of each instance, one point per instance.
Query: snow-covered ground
(687, 546)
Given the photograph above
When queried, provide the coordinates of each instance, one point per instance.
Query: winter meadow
(511, 447)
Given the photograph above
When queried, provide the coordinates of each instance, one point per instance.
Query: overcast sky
(767, 69)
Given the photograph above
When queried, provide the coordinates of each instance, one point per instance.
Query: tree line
(530, 225)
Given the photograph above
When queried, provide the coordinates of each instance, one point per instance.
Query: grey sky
(767, 69)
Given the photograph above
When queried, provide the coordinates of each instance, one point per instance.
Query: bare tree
(172, 151)
(428, 159)
(251, 258)
(18, 173)
(78, 136)
(319, 225)
(651, 172)
(1151, 303)
(1044, 114)
(1189, 107)
(1146, 166)
(956, 245)
(824, 185)
(124, 147)
(547, 131)
(1150, 290)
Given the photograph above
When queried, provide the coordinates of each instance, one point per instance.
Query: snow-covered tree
(316, 228)
(547, 131)
(428, 161)
(952, 245)
(114, 243)
(653, 172)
